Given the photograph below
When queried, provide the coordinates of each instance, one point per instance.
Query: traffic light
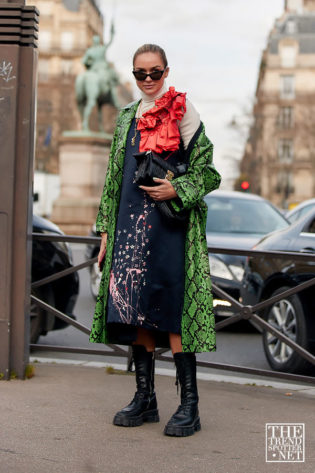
(245, 186)
(242, 183)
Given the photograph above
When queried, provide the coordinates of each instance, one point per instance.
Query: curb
(300, 388)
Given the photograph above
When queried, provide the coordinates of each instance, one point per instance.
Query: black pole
(18, 61)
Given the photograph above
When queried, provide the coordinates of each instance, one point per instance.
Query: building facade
(66, 30)
(279, 157)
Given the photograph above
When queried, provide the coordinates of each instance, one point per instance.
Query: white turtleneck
(189, 123)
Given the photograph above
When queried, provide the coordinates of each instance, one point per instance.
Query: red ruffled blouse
(158, 126)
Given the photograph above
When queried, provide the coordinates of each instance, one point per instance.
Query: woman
(155, 287)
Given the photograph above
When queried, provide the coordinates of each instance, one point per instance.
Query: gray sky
(213, 49)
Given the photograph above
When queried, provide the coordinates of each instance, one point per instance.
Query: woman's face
(149, 62)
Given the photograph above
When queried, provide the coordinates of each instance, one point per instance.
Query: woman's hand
(102, 252)
(164, 191)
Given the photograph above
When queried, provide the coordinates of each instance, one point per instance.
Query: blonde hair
(150, 48)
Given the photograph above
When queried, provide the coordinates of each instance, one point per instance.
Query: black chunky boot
(186, 419)
(143, 407)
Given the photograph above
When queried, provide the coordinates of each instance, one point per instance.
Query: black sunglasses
(155, 75)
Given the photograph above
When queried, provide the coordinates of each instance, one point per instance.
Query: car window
(305, 210)
(295, 216)
(233, 215)
(311, 228)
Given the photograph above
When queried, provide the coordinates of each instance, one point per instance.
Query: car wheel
(288, 317)
(95, 279)
(36, 319)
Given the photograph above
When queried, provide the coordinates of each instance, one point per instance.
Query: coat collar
(131, 105)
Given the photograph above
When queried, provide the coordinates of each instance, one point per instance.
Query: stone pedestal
(83, 164)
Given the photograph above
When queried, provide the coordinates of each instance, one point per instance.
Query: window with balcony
(66, 42)
(290, 27)
(287, 87)
(285, 118)
(44, 40)
(285, 151)
(288, 56)
(43, 70)
(66, 67)
(285, 183)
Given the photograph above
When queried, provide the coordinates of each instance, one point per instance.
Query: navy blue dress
(147, 276)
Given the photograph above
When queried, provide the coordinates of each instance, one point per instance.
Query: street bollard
(18, 61)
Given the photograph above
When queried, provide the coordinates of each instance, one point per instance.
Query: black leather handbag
(150, 165)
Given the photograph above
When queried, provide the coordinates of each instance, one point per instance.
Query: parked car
(47, 259)
(266, 276)
(300, 210)
(236, 220)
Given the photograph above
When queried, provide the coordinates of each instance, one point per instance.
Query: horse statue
(97, 85)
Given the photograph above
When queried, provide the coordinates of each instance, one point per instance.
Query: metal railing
(242, 312)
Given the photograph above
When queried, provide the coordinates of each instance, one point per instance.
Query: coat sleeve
(201, 177)
(106, 204)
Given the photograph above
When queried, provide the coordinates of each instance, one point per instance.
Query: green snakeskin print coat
(198, 326)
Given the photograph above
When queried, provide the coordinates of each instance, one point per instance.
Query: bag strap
(191, 144)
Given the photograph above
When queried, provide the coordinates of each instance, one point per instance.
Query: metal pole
(18, 59)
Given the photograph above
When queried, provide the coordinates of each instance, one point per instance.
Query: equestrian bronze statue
(97, 85)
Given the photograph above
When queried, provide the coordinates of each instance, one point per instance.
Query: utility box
(18, 61)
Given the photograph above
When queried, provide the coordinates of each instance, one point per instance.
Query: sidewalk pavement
(60, 421)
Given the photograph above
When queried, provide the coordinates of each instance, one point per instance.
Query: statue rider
(98, 84)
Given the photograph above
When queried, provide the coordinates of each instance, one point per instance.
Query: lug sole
(135, 421)
(182, 431)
